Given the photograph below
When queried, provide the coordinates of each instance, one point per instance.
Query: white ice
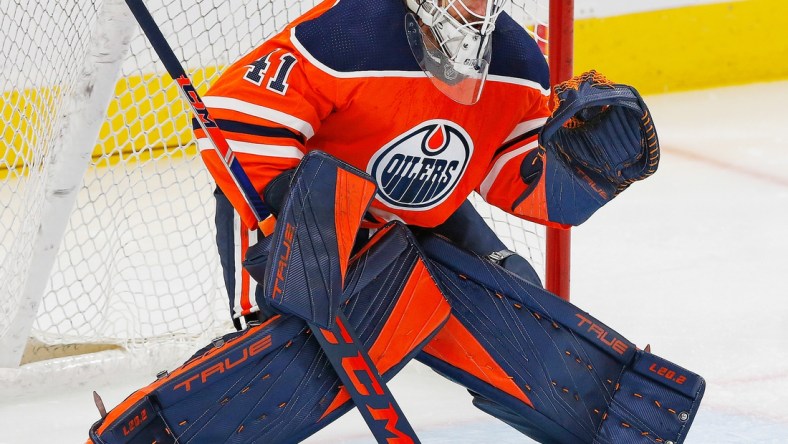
(690, 261)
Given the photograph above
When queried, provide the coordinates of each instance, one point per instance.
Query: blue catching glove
(604, 129)
(598, 141)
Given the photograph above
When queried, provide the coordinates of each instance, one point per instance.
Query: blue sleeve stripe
(517, 140)
(234, 126)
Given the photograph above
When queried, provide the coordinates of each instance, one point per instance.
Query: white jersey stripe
(250, 290)
(524, 127)
(262, 112)
(259, 149)
(499, 164)
(244, 295)
(237, 259)
(518, 81)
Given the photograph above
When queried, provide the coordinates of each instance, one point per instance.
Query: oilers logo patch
(419, 169)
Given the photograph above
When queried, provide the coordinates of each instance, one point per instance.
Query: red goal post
(560, 59)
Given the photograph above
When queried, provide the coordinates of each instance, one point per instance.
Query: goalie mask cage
(107, 252)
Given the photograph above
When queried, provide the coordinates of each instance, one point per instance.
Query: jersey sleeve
(267, 105)
(504, 185)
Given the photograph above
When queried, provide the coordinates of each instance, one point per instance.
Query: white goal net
(107, 249)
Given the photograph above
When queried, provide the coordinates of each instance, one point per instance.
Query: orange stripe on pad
(457, 346)
(352, 196)
(419, 311)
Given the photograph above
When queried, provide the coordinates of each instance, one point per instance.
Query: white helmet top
(456, 52)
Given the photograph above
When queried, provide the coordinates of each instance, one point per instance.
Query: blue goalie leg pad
(515, 420)
(550, 369)
(272, 383)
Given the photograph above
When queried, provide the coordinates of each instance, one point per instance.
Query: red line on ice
(772, 179)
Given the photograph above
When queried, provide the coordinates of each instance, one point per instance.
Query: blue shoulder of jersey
(516, 54)
(369, 35)
(359, 35)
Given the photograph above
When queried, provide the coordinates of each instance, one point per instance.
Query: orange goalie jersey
(342, 79)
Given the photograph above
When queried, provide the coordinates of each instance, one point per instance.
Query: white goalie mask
(455, 50)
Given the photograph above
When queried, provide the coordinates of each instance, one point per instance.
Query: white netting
(525, 238)
(137, 264)
(37, 76)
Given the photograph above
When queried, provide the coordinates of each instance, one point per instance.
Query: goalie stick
(383, 426)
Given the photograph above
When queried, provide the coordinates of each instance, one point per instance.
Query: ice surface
(692, 261)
